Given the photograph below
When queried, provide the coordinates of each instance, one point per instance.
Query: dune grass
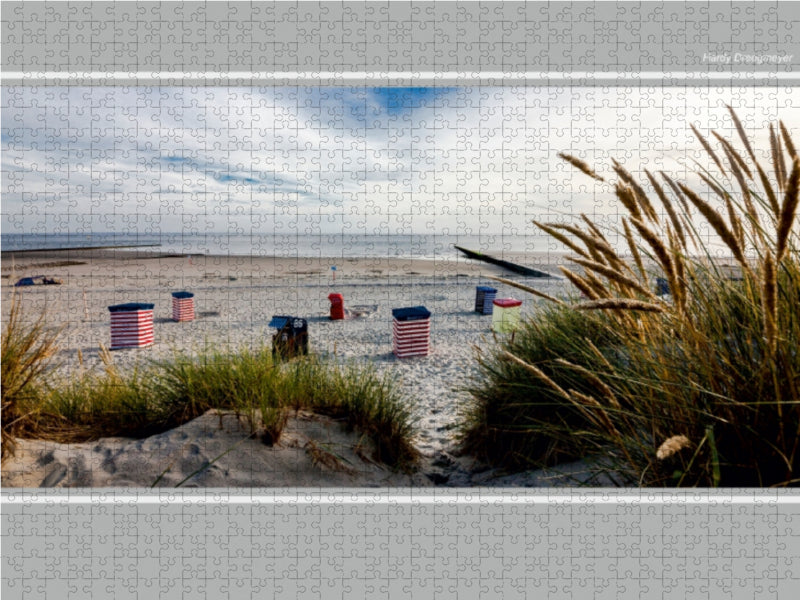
(516, 418)
(700, 390)
(28, 348)
(166, 394)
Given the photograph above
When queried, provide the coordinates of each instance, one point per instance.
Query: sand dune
(214, 450)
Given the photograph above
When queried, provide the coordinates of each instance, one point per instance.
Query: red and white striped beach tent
(131, 325)
(411, 331)
(182, 306)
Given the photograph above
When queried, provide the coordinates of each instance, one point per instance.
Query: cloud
(399, 158)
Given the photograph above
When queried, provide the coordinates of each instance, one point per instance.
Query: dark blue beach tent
(291, 338)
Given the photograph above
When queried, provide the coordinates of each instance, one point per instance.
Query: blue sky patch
(398, 100)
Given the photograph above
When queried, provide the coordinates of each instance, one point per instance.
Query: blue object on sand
(130, 306)
(25, 281)
(662, 286)
(291, 338)
(279, 322)
(182, 295)
(412, 313)
(484, 296)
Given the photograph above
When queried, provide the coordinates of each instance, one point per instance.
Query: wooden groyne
(513, 267)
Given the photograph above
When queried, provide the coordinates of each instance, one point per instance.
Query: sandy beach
(235, 298)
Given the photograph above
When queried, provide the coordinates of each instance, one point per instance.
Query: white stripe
(122, 338)
(377, 497)
(123, 346)
(130, 335)
(447, 76)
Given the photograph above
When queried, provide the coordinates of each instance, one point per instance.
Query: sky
(464, 160)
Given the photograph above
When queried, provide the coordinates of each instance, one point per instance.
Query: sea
(344, 245)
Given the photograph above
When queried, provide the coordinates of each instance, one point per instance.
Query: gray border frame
(399, 543)
(401, 43)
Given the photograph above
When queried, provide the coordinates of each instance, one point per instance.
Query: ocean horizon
(345, 245)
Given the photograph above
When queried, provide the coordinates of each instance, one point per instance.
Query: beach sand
(235, 298)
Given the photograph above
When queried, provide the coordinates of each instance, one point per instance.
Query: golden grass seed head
(580, 165)
(596, 381)
(717, 222)
(679, 291)
(676, 190)
(736, 223)
(613, 275)
(561, 238)
(628, 199)
(734, 158)
(594, 245)
(788, 210)
(598, 286)
(638, 193)
(672, 446)
(599, 416)
(708, 149)
(535, 371)
(525, 288)
(673, 216)
(737, 173)
(742, 133)
(787, 140)
(658, 247)
(771, 197)
(777, 157)
(637, 258)
(619, 304)
(769, 300)
(579, 282)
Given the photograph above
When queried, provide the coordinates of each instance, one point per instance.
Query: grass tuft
(27, 352)
(169, 393)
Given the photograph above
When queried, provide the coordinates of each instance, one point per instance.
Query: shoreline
(71, 263)
(146, 251)
(10, 253)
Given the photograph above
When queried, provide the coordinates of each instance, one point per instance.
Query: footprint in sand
(54, 474)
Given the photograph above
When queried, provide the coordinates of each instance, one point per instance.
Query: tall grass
(27, 350)
(166, 394)
(700, 390)
(516, 418)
